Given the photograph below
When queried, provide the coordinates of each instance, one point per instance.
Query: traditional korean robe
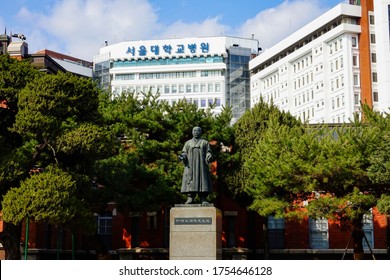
(197, 156)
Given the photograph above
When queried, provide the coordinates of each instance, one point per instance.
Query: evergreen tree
(60, 136)
(328, 167)
(146, 174)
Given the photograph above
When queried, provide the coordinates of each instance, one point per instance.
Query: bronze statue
(196, 156)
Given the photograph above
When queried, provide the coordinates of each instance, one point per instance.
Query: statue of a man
(196, 156)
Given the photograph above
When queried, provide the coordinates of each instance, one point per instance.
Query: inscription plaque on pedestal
(195, 233)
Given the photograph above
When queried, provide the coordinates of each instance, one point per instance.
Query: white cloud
(208, 27)
(272, 25)
(80, 27)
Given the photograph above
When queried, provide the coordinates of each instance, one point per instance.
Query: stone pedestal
(195, 232)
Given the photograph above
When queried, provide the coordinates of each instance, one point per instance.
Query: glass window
(230, 231)
(174, 88)
(354, 60)
(356, 99)
(217, 87)
(188, 88)
(354, 42)
(372, 19)
(203, 103)
(368, 228)
(104, 224)
(375, 77)
(373, 57)
(373, 39)
(152, 220)
(196, 88)
(181, 88)
(375, 96)
(276, 229)
(319, 238)
(104, 229)
(355, 79)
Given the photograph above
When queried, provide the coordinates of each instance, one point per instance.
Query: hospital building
(325, 70)
(207, 71)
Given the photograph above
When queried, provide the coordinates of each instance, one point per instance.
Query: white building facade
(323, 72)
(208, 71)
(382, 31)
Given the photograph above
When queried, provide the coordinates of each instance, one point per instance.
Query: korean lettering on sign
(167, 49)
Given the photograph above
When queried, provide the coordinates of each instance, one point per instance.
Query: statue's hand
(209, 158)
(183, 158)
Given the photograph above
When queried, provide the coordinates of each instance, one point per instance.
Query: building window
(356, 97)
(373, 39)
(355, 79)
(135, 231)
(354, 42)
(319, 237)
(368, 228)
(375, 96)
(355, 60)
(372, 19)
(104, 228)
(104, 224)
(217, 87)
(230, 220)
(196, 87)
(375, 77)
(152, 220)
(388, 12)
(276, 228)
(373, 57)
(174, 88)
(124, 77)
(203, 103)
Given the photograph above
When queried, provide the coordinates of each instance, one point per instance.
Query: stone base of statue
(195, 232)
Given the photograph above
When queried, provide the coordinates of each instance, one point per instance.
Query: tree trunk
(10, 238)
(266, 239)
(357, 239)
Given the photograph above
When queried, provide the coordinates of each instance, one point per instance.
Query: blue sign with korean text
(167, 49)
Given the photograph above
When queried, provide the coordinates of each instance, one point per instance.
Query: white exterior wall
(316, 81)
(382, 26)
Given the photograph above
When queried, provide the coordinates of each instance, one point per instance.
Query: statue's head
(196, 132)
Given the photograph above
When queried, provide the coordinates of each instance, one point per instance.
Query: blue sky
(80, 27)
